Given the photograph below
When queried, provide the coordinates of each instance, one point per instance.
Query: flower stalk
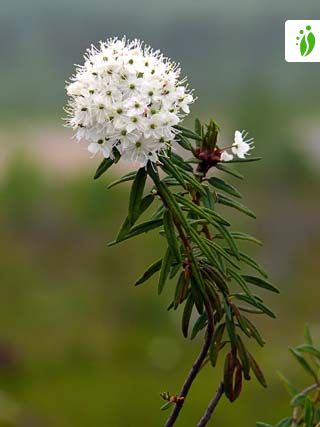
(211, 407)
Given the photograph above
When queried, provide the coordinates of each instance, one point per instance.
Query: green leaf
(126, 226)
(263, 425)
(261, 283)
(174, 270)
(309, 349)
(170, 182)
(197, 127)
(249, 261)
(214, 300)
(257, 370)
(194, 183)
(103, 167)
(172, 170)
(250, 310)
(199, 325)
(224, 186)
(243, 354)
(179, 161)
(230, 324)
(242, 236)
(200, 242)
(253, 264)
(215, 344)
(124, 230)
(145, 203)
(166, 406)
(205, 213)
(291, 389)
(256, 303)
(181, 290)
(128, 177)
(304, 363)
(229, 239)
(180, 170)
(154, 268)
(188, 133)
(222, 252)
(254, 331)
(169, 229)
(136, 194)
(224, 200)
(208, 199)
(173, 205)
(167, 196)
(307, 335)
(229, 170)
(298, 399)
(186, 315)
(242, 322)
(213, 275)
(286, 422)
(181, 140)
(165, 269)
(196, 288)
(239, 279)
(246, 160)
(158, 213)
(308, 413)
(144, 227)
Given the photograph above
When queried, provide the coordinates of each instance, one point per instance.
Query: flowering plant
(127, 102)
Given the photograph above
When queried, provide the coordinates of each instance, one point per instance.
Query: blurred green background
(79, 345)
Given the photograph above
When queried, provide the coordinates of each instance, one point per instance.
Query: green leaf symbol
(307, 44)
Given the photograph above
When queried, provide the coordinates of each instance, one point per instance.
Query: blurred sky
(75, 345)
(228, 49)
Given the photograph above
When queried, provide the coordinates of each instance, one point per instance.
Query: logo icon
(302, 40)
(306, 41)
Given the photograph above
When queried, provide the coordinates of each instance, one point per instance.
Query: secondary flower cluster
(127, 96)
(239, 148)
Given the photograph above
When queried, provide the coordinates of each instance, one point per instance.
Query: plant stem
(211, 407)
(210, 318)
(195, 367)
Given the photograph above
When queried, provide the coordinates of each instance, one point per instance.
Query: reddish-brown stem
(195, 367)
(211, 407)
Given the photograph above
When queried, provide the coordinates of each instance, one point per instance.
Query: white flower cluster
(127, 96)
(239, 148)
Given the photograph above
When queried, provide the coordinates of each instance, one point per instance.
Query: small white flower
(126, 138)
(75, 89)
(184, 104)
(127, 96)
(96, 147)
(226, 157)
(141, 151)
(241, 146)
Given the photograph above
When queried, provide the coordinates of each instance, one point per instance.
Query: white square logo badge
(302, 41)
